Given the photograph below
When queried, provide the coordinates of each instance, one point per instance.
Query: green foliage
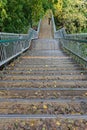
(18, 15)
(71, 14)
(37, 10)
(3, 13)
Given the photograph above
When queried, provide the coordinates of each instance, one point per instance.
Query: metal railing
(8, 35)
(77, 49)
(38, 29)
(82, 36)
(12, 45)
(53, 25)
(74, 44)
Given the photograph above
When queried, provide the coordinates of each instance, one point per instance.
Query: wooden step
(42, 78)
(44, 83)
(22, 106)
(42, 122)
(42, 72)
(43, 93)
(46, 68)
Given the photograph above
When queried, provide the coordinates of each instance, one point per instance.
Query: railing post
(4, 53)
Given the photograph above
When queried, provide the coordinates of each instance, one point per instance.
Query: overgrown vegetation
(18, 15)
(71, 14)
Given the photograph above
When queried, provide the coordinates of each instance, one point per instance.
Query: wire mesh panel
(77, 36)
(77, 47)
(12, 45)
(75, 44)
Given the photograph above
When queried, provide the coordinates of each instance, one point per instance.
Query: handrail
(10, 48)
(12, 45)
(77, 40)
(75, 44)
(38, 29)
(53, 23)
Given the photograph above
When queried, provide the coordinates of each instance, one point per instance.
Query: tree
(18, 15)
(3, 14)
(37, 10)
(72, 15)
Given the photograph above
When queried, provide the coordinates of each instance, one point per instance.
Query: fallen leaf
(13, 64)
(32, 124)
(34, 107)
(16, 120)
(85, 94)
(1, 93)
(46, 65)
(58, 123)
(55, 86)
(48, 94)
(36, 93)
(45, 106)
(23, 123)
(55, 82)
(81, 73)
(43, 128)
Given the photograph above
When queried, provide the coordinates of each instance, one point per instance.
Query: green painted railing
(74, 44)
(12, 45)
